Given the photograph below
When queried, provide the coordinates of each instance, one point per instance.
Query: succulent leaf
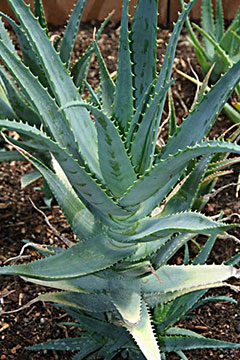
(61, 85)
(144, 336)
(128, 201)
(114, 162)
(30, 178)
(10, 156)
(123, 104)
(126, 296)
(166, 68)
(107, 84)
(80, 68)
(82, 181)
(174, 277)
(5, 37)
(228, 41)
(83, 343)
(97, 253)
(201, 115)
(70, 33)
(166, 170)
(174, 343)
(219, 20)
(22, 109)
(143, 46)
(185, 196)
(86, 302)
(189, 222)
(143, 146)
(208, 25)
(39, 13)
(29, 55)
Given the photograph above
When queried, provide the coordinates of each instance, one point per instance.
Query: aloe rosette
(109, 176)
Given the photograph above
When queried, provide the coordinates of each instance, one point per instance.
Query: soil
(19, 220)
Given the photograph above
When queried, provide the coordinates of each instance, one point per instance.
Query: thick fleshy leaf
(80, 68)
(208, 299)
(70, 33)
(39, 13)
(143, 46)
(83, 343)
(96, 253)
(123, 104)
(87, 302)
(170, 248)
(126, 296)
(29, 55)
(139, 113)
(41, 101)
(166, 68)
(6, 38)
(149, 247)
(30, 178)
(223, 59)
(201, 55)
(219, 20)
(6, 111)
(115, 164)
(185, 196)
(189, 222)
(22, 109)
(203, 254)
(174, 277)
(183, 332)
(167, 315)
(96, 323)
(235, 260)
(161, 174)
(79, 177)
(172, 121)
(143, 145)
(11, 156)
(62, 85)
(228, 42)
(175, 343)
(144, 336)
(89, 283)
(208, 25)
(205, 114)
(106, 84)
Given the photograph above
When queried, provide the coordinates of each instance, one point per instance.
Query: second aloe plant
(109, 176)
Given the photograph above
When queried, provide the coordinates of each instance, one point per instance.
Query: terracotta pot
(57, 11)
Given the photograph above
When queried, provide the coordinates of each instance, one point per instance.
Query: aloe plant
(109, 176)
(220, 48)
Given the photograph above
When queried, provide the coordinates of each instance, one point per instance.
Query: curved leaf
(166, 225)
(96, 253)
(175, 343)
(204, 114)
(62, 85)
(144, 336)
(83, 182)
(70, 33)
(162, 173)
